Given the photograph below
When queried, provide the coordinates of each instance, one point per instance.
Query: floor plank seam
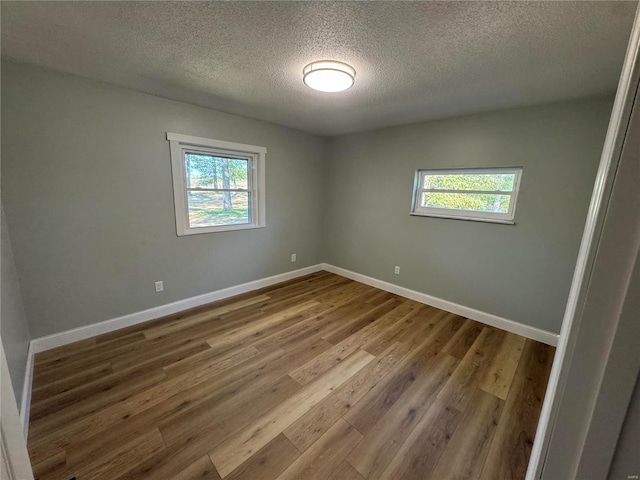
(287, 371)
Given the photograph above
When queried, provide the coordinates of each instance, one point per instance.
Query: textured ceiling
(414, 60)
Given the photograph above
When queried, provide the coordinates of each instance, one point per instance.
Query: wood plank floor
(316, 378)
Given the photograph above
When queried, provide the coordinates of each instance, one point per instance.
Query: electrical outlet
(396, 270)
(294, 257)
(159, 286)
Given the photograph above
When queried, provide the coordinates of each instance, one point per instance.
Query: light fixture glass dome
(329, 76)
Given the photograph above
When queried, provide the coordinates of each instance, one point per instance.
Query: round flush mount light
(328, 76)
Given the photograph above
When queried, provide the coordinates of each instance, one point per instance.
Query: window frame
(490, 217)
(255, 155)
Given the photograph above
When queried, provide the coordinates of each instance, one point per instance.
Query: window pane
(209, 209)
(502, 182)
(208, 171)
(475, 202)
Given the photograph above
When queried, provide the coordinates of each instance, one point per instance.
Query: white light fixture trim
(328, 76)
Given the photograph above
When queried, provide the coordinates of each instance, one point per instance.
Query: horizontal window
(481, 194)
(217, 185)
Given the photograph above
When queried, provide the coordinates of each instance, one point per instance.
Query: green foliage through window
(216, 172)
(487, 182)
(478, 193)
(467, 201)
(225, 199)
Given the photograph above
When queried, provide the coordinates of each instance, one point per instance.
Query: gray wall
(87, 192)
(88, 199)
(13, 322)
(521, 272)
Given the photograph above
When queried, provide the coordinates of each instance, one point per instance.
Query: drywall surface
(87, 192)
(521, 272)
(13, 322)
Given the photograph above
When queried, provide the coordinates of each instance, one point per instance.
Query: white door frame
(14, 457)
(593, 320)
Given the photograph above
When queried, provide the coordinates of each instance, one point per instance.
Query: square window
(217, 185)
(480, 194)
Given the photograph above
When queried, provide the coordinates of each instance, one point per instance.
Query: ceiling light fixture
(328, 76)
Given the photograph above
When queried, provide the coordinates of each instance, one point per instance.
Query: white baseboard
(482, 317)
(81, 333)
(69, 336)
(25, 404)
(41, 344)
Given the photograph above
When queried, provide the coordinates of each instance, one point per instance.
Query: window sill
(223, 228)
(460, 217)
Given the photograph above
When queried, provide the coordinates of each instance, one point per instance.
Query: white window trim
(256, 155)
(491, 217)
